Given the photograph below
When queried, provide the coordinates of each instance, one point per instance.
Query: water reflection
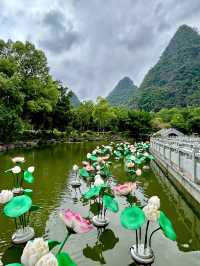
(12, 254)
(106, 240)
(186, 220)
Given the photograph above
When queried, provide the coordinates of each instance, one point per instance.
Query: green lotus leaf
(167, 226)
(28, 177)
(132, 218)
(83, 172)
(65, 260)
(110, 203)
(138, 161)
(151, 157)
(92, 192)
(28, 192)
(52, 244)
(130, 157)
(17, 206)
(93, 158)
(117, 153)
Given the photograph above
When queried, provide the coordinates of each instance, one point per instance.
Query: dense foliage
(32, 100)
(122, 93)
(175, 80)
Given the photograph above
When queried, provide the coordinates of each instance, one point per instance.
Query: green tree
(103, 114)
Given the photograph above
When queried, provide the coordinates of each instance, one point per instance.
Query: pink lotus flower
(130, 165)
(89, 168)
(75, 221)
(125, 189)
(105, 158)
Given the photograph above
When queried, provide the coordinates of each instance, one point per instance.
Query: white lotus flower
(98, 181)
(16, 169)
(154, 201)
(18, 160)
(33, 251)
(31, 169)
(88, 155)
(94, 152)
(98, 167)
(151, 213)
(138, 172)
(47, 260)
(75, 167)
(5, 196)
(1, 263)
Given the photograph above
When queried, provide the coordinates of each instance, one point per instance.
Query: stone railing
(181, 154)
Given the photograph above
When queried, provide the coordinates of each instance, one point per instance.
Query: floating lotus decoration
(19, 209)
(133, 218)
(20, 175)
(38, 253)
(75, 183)
(125, 189)
(106, 202)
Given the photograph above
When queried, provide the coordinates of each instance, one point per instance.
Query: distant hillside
(75, 100)
(175, 79)
(122, 93)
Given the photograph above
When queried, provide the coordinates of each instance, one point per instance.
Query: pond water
(52, 192)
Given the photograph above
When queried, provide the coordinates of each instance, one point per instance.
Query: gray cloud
(92, 44)
(60, 34)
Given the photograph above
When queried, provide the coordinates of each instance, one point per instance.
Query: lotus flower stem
(21, 221)
(63, 243)
(140, 234)
(136, 236)
(146, 235)
(152, 235)
(16, 224)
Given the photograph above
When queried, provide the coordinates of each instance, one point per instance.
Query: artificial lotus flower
(138, 172)
(47, 260)
(16, 170)
(154, 201)
(85, 163)
(34, 251)
(89, 155)
(125, 189)
(98, 180)
(99, 159)
(75, 167)
(18, 160)
(74, 221)
(151, 213)
(5, 196)
(89, 168)
(31, 169)
(1, 263)
(130, 165)
(94, 152)
(105, 158)
(98, 167)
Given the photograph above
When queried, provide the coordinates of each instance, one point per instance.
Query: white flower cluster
(36, 253)
(151, 210)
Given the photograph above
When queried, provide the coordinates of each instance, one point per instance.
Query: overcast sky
(92, 44)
